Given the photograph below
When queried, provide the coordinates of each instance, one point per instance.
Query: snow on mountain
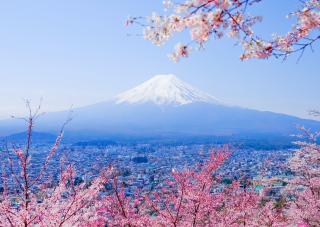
(165, 90)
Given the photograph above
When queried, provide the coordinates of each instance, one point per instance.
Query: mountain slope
(164, 106)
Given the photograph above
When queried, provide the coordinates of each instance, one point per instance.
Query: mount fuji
(162, 107)
(165, 90)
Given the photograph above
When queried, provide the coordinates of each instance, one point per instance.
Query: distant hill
(37, 137)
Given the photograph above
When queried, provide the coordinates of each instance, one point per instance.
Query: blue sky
(77, 52)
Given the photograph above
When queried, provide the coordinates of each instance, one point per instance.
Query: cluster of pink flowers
(37, 200)
(303, 34)
(190, 197)
(216, 18)
(306, 185)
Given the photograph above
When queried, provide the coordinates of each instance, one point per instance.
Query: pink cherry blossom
(206, 19)
(189, 197)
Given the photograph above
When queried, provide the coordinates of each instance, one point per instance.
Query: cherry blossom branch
(207, 18)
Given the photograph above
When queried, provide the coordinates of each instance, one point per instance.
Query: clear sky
(77, 52)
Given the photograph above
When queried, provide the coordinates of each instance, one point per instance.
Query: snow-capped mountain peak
(165, 90)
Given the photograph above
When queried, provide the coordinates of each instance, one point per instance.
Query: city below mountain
(163, 107)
